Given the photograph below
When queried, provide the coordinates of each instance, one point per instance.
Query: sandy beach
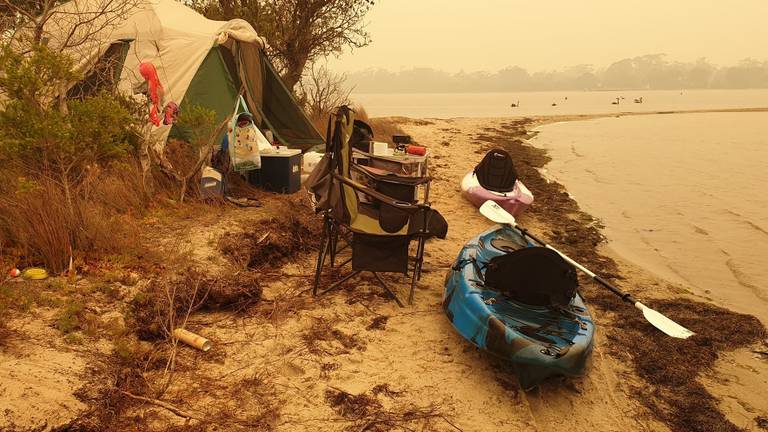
(353, 360)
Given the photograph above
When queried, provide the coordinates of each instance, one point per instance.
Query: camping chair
(378, 232)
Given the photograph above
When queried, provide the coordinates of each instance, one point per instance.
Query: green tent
(215, 86)
(198, 62)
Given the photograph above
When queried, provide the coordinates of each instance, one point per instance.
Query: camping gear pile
(507, 292)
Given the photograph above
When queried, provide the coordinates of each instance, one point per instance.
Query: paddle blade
(494, 212)
(663, 323)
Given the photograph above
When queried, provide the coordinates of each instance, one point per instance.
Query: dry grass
(39, 225)
(383, 127)
(166, 301)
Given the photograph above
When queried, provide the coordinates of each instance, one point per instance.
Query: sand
(295, 363)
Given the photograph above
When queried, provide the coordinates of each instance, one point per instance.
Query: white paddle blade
(494, 212)
(663, 323)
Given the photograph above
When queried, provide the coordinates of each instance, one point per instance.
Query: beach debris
(366, 412)
(192, 339)
(168, 299)
(34, 273)
(762, 422)
(378, 323)
(350, 405)
(324, 339)
(273, 242)
(243, 202)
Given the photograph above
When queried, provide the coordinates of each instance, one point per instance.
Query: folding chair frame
(334, 230)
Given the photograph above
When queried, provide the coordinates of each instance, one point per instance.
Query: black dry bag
(496, 171)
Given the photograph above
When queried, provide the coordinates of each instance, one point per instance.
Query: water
(447, 105)
(683, 195)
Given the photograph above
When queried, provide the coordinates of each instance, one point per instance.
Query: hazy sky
(550, 34)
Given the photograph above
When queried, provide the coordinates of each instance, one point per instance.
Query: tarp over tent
(199, 61)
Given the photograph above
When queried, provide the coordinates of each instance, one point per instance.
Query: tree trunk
(227, 9)
(293, 70)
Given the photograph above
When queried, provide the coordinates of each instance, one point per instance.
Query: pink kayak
(514, 201)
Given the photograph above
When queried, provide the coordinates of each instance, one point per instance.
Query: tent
(198, 61)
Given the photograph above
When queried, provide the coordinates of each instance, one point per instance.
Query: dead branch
(179, 412)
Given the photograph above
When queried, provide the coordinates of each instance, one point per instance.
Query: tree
(322, 91)
(47, 142)
(51, 157)
(76, 22)
(298, 31)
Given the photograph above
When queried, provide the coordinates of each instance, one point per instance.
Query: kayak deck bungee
(540, 341)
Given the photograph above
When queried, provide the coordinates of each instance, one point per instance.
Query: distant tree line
(651, 71)
(298, 32)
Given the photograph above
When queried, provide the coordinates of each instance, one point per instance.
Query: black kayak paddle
(494, 212)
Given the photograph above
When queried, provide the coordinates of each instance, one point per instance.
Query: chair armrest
(386, 199)
(373, 156)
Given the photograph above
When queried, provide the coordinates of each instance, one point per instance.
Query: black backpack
(362, 135)
(496, 172)
(536, 276)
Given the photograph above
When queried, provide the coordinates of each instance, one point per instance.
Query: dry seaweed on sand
(323, 338)
(272, 242)
(366, 412)
(352, 406)
(378, 323)
(672, 366)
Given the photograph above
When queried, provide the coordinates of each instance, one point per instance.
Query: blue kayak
(508, 313)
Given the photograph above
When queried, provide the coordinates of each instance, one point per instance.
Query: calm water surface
(684, 195)
(446, 105)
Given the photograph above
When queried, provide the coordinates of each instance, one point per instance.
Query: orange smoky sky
(553, 34)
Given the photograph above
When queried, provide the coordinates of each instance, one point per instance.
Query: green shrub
(70, 317)
(68, 165)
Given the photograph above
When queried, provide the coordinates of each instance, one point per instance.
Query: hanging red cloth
(149, 73)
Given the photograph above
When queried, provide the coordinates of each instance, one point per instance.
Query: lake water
(683, 195)
(446, 105)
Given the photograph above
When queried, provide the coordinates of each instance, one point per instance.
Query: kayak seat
(535, 276)
(496, 172)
